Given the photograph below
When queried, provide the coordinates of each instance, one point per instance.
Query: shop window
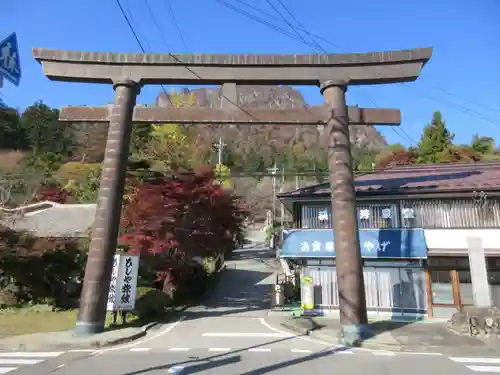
(374, 216)
(451, 213)
(316, 216)
(442, 288)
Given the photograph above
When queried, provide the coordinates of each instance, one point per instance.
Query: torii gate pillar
(106, 227)
(351, 288)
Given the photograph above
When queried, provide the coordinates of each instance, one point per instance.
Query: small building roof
(446, 179)
(51, 220)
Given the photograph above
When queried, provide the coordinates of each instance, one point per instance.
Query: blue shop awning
(374, 243)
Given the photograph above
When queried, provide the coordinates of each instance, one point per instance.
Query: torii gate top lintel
(208, 69)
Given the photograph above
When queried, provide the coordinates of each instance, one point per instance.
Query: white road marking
(178, 349)
(378, 352)
(259, 350)
(163, 332)
(219, 349)
(13, 361)
(421, 353)
(482, 361)
(484, 368)
(4, 370)
(300, 351)
(140, 349)
(175, 370)
(343, 352)
(242, 334)
(31, 354)
(475, 360)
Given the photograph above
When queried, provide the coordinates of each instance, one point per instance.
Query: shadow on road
(196, 364)
(244, 286)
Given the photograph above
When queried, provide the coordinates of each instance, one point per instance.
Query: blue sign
(10, 66)
(374, 243)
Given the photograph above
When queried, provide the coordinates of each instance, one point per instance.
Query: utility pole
(220, 148)
(282, 213)
(273, 171)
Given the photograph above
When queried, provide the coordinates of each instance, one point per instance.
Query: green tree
(169, 144)
(12, 135)
(222, 173)
(44, 132)
(483, 145)
(363, 159)
(436, 142)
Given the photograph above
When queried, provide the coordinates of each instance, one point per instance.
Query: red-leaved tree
(53, 194)
(181, 217)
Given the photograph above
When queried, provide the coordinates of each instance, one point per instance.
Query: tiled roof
(53, 220)
(424, 178)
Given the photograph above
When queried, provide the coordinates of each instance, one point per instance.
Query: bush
(77, 172)
(7, 299)
(38, 272)
(150, 303)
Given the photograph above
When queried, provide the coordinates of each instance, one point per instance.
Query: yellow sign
(307, 280)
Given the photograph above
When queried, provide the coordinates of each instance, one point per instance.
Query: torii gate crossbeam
(128, 72)
(316, 115)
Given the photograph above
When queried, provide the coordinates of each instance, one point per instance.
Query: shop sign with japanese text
(123, 285)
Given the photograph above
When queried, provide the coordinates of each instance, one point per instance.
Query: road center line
(243, 334)
(300, 351)
(259, 350)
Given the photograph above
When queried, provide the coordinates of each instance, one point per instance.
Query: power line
(130, 25)
(137, 37)
(324, 51)
(288, 23)
(455, 106)
(168, 3)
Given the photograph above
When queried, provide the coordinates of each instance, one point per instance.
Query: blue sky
(461, 80)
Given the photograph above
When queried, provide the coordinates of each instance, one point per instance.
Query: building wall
(446, 223)
(456, 239)
(393, 288)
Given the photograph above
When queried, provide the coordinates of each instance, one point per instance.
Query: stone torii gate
(333, 73)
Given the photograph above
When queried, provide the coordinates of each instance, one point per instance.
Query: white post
(479, 273)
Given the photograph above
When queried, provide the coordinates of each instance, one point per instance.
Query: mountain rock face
(277, 97)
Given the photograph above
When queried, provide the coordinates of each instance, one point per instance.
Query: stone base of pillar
(354, 334)
(88, 328)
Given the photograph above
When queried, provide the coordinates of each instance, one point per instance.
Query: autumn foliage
(399, 157)
(181, 217)
(53, 194)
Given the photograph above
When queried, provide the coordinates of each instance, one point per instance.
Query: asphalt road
(228, 334)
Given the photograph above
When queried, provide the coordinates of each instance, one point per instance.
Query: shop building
(427, 212)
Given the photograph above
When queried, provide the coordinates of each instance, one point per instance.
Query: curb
(124, 340)
(444, 350)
